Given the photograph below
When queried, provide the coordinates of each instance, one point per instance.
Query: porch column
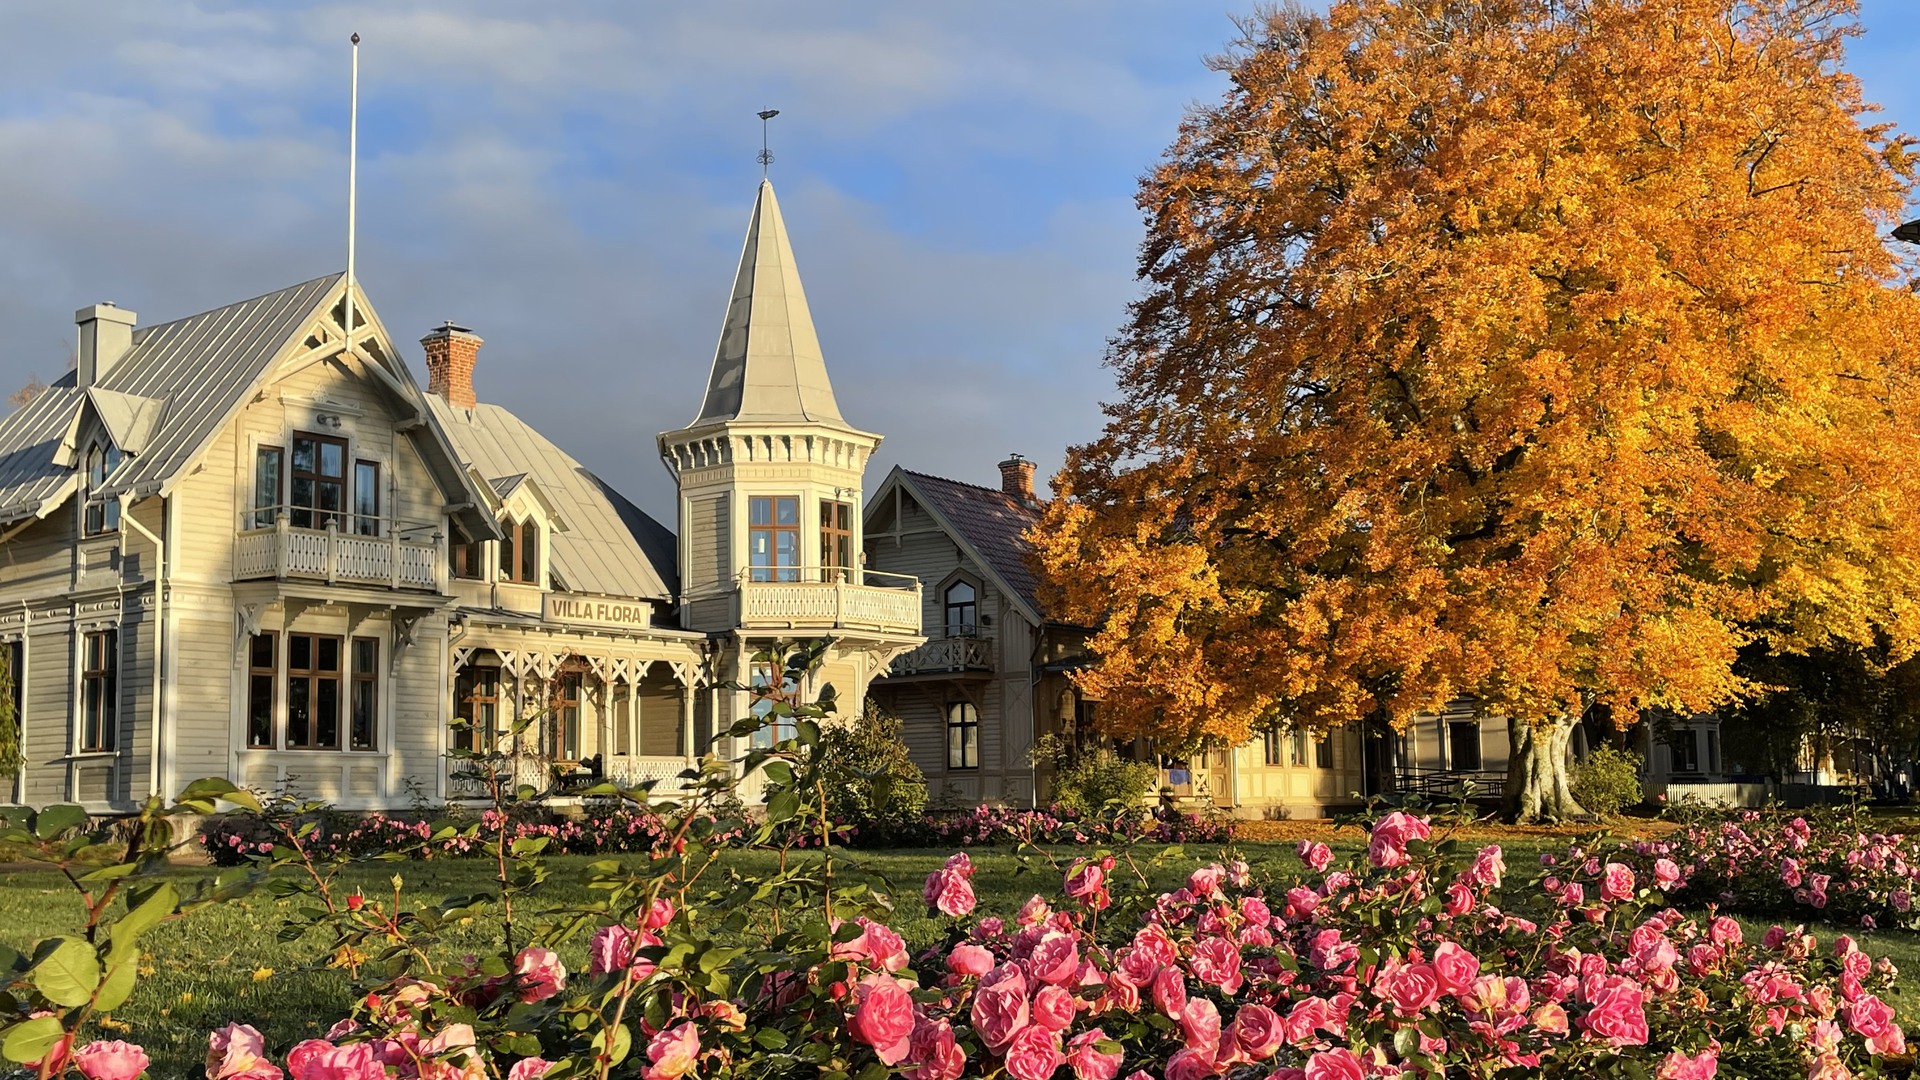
(686, 720)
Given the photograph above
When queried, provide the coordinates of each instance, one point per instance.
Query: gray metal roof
(171, 392)
(609, 546)
(768, 367)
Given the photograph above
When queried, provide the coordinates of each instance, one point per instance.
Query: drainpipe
(159, 576)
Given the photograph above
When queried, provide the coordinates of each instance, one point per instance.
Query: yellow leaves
(1544, 402)
(262, 974)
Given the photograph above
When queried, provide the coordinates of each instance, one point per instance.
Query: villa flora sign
(590, 611)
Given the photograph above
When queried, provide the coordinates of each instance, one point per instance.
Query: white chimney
(106, 333)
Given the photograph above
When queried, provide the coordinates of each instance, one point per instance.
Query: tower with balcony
(770, 482)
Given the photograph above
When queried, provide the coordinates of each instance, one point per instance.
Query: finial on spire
(766, 155)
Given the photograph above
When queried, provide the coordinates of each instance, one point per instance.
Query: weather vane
(766, 155)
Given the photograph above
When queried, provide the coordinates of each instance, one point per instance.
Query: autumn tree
(1544, 351)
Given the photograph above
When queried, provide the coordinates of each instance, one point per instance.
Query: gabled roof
(768, 367)
(174, 391)
(609, 546)
(987, 523)
(198, 367)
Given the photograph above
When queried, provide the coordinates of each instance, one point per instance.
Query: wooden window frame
(967, 724)
(366, 522)
(1273, 748)
(99, 517)
(836, 540)
(1453, 741)
(1323, 751)
(263, 678)
(516, 552)
(773, 530)
(779, 729)
(564, 726)
(479, 739)
(99, 691)
(267, 505)
(317, 516)
(964, 627)
(365, 678)
(1691, 762)
(623, 706)
(467, 559)
(315, 675)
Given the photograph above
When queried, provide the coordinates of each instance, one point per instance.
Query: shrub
(1608, 781)
(1833, 865)
(871, 781)
(1095, 779)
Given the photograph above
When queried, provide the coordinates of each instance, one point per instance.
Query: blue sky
(572, 179)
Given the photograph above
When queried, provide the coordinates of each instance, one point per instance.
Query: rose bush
(1833, 867)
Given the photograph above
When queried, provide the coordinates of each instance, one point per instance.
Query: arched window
(520, 551)
(962, 610)
(101, 517)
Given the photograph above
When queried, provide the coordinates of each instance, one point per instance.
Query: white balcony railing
(947, 655)
(349, 549)
(887, 603)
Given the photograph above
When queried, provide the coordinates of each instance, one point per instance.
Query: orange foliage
(1544, 350)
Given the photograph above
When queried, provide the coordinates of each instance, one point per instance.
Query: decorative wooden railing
(946, 656)
(891, 606)
(376, 551)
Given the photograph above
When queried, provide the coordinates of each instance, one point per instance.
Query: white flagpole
(353, 163)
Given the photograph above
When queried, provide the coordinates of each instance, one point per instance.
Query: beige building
(247, 544)
(995, 674)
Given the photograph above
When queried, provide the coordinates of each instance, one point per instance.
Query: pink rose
(1055, 959)
(1053, 1008)
(238, 1052)
(1087, 1062)
(1258, 1031)
(539, 973)
(1034, 912)
(1551, 1019)
(1205, 881)
(1489, 866)
(880, 945)
(1387, 844)
(1724, 932)
(948, 892)
(1617, 885)
(971, 960)
(673, 1053)
(1315, 854)
(1000, 1007)
(1459, 900)
(1869, 1016)
(1200, 1027)
(355, 1061)
(1216, 962)
(1189, 1065)
(1702, 1066)
(1034, 1054)
(935, 1052)
(883, 1017)
(1665, 876)
(529, 1069)
(1086, 882)
(1619, 1013)
(1122, 995)
(1455, 968)
(1170, 992)
(1335, 1064)
(110, 1060)
(610, 949)
(659, 914)
(1411, 987)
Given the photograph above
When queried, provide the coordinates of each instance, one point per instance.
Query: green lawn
(228, 965)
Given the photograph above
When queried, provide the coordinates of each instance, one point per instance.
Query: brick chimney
(1016, 480)
(451, 351)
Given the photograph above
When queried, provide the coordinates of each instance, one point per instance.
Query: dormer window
(963, 610)
(520, 551)
(101, 516)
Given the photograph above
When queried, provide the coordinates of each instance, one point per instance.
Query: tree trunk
(1537, 788)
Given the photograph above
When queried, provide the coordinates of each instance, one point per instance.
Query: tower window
(836, 540)
(773, 537)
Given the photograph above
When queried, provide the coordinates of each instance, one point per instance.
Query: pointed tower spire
(768, 367)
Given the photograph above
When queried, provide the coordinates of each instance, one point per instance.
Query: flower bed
(1412, 960)
(1830, 868)
(238, 839)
